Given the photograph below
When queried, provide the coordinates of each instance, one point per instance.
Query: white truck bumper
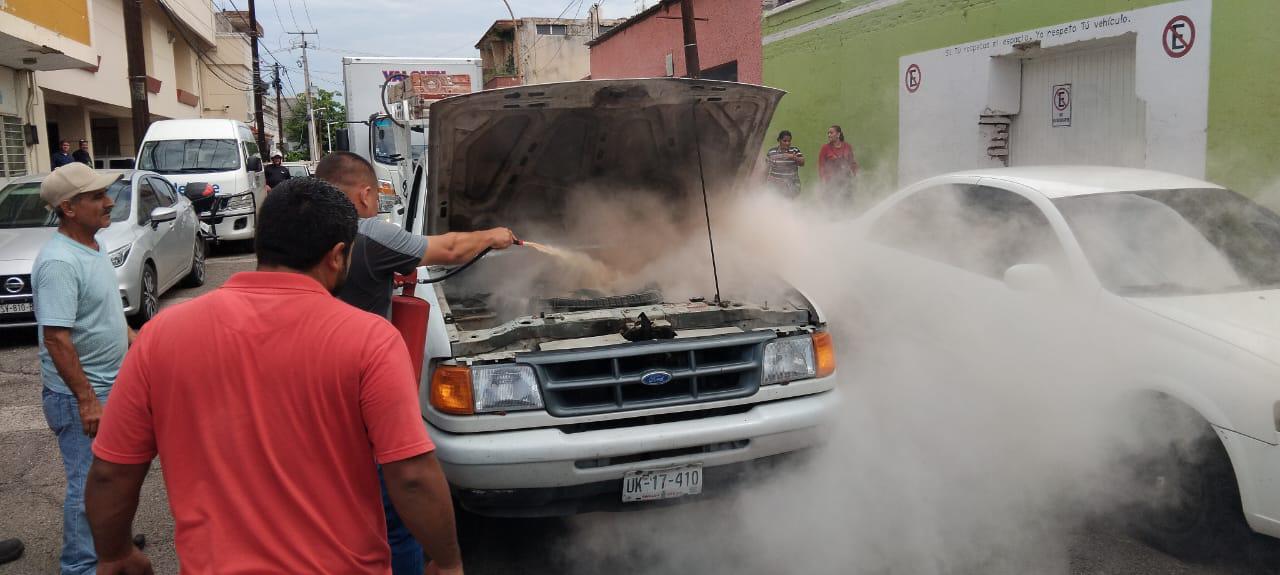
(523, 461)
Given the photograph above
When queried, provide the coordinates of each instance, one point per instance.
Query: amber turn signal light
(451, 390)
(824, 354)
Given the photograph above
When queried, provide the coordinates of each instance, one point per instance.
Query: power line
(293, 15)
(307, 11)
(214, 68)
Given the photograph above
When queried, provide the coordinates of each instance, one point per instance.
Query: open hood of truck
(502, 157)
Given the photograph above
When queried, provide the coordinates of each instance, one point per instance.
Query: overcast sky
(435, 28)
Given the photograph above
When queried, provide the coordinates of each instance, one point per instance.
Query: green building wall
(846, 73)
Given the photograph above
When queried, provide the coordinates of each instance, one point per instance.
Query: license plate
(24, 307)
(666, 483)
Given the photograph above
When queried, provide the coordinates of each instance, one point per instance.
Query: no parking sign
(1060, 106)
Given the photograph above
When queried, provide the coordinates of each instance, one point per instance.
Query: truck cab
(605, 374)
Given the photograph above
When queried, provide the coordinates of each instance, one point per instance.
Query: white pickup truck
(546, 396)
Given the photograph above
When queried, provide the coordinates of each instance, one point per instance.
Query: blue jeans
(62, 412)
(406, 553)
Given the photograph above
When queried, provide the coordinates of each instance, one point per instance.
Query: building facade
(227, 69)
(651, 44)
(33, 40)
(550, 50)
(923, 87)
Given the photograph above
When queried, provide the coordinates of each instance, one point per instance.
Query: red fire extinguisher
(409, 315)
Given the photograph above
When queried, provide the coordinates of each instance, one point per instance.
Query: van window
(385, 150)
(190, 156)
(251, 150)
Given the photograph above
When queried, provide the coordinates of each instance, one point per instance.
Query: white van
(220, 152)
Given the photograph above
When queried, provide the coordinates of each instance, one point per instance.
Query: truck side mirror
(254, 164)
(344, 141)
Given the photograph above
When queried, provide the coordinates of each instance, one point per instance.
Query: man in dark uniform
(82, 154)
(62, 157)
(276, 173)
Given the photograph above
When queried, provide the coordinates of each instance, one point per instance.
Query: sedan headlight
(462, 390)
(120, 255)
(800, 357)
(238, 203)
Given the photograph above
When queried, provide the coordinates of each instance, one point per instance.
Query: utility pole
(690, 39)
(312, 144)
(137, 70)
(258, 87)
(279, 110)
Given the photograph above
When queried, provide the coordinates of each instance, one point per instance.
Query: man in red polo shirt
(267, 400)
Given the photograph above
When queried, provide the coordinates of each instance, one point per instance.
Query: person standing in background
(784, 162)
(63, 156)
(83, 337)
(837, 167)
(276, 173)
(82, 154)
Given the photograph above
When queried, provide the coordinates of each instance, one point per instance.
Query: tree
(328, 108)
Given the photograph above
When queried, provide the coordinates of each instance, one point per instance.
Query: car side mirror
(343, 143)
(1031, 278)
(254, 164)
(163, 214)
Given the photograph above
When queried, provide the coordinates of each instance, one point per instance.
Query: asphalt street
(31, 486)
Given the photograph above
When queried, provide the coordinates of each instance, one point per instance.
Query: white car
(153, 241)
(1193, 267)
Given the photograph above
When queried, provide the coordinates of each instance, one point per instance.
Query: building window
(605, 28)
(553, 29)
(13, 147)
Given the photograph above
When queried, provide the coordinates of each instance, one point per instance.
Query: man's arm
(421, 495)
(65, 359)
(110, 502)
(456, 248)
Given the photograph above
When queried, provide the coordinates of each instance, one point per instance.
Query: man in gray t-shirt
(381, 250)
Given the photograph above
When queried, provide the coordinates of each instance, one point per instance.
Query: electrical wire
(214, 67)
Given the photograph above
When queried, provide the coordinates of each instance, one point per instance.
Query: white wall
(552, 58)
(938, 123)
(110, 85)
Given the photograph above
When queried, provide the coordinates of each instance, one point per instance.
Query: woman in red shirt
(836, 165)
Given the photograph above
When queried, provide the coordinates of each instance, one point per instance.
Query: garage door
(1098, 120)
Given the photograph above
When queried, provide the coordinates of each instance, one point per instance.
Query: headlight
(240, 202)
(788, 359)
(120, 255)
(461, 390)
(505, 387)
(800, 357)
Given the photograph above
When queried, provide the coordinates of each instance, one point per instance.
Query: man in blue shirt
(83, 336)
(63, 156)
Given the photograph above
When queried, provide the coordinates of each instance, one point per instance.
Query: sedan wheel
(197, 276)
(149, 305)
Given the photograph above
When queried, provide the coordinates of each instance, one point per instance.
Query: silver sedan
(153, 242)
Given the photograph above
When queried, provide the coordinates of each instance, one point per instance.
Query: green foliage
(328, 108)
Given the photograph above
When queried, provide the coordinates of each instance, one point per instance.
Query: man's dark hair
(300, 221)
(345, 169)
(784, 134)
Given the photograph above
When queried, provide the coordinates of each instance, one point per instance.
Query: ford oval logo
(656, 377)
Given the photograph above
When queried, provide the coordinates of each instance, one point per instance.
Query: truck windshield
(1176, 242)
(190, 156)
(385, 148)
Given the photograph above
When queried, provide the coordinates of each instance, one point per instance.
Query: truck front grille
(608, 379)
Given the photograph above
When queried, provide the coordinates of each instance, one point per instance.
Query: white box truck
(379, 130)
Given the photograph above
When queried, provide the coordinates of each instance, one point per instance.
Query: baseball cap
(74, 178)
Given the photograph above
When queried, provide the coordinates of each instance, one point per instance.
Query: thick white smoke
(979, 427)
